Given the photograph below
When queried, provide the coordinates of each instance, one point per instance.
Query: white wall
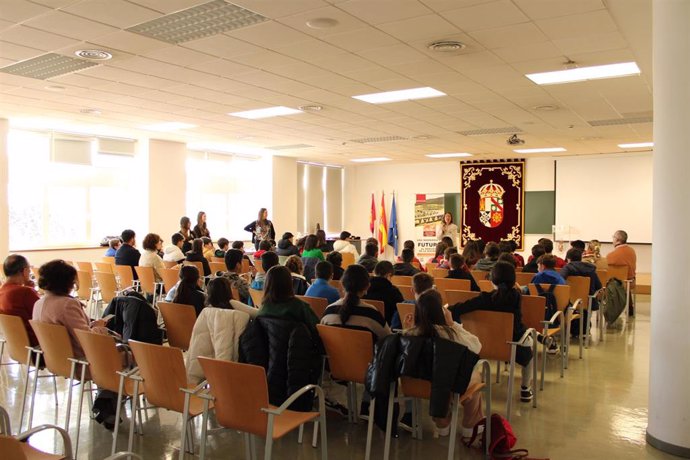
(167, 188)
(283, 212)
(4, 179)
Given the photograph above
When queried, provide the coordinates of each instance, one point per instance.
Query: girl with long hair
(261, 229)
(187, 291)
(279, 298)
(200, 229)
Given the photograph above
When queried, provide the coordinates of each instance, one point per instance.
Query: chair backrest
(179, 322)
(446, 284)
(257, 297)
(562, 294)
(438, 272)
(523, 279)
(11, 448)
(199, 266)
(407, 292)
(240, 392)
(579, 288)
(348, 259)
(85, 283)
(485, 285)
(349, 351)
(103, 358)
(245, 265)
(17, 337)
(603, 277)
(257, 264)
(146, 278)
(103, 267)
(405, 309)
(219, 260)
(164, 374)
(338, 285)
(125, 276)
(218, 267)
(479, 275)
(170, 277)
(108, 260)
(84, 266)
(415, 388)
(453, 296)
(378, 304)
(533, 309)
(494, 330)
(169, 263)
(107, 285)
(400, 280)
(618, 271)
(430, 266)
(57, 348)
(317, 304)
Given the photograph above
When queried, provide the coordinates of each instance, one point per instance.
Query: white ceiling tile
(117, 13)
(591, 43)
(308, 51)
(445, 5)
(46, 41)
(130, 42)
(18, 52)
(467, 61)
(377, 12)
(21, 10)
(540, 9)
(180, 56)
(222, 45)
(83, 81)
(514, 35)
(168, 6)
(390, 55)
(226, 68)
(69, 25)
(577, 25)
(276, 10)
(360, 39)
(345, 21)
(430, 27)
(486, 16)
(268, 34)
(532, 52)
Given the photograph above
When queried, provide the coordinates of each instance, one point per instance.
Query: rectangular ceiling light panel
(198, 22)
(378, 140)
(637, 145)
(265, 113)
(401, 95)
(489, 131)
(623, 69)
(47, 66)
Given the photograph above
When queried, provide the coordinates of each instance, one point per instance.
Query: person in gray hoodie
(286, 247)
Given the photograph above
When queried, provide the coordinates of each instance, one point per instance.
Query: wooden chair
(430, 266)
(479, 275)
(105, 367)
(87, 292)
(533, 316)
(257, 297)
(169, 263)
(405, 309)
(199, 266)
(240, 394)
(317, 304)
(124, 276)
(454, 296)
(378, 304)
(148, 283)
(220, 260)
(84, 267)
(57, 352)
(217, 267)
(179, 322)
(348, 259)
(107, 286)
(621, 272)
(246, 266)
(18, 447)
(108, 260)
(523, 279)
(603, 277)
(562, 294)
(438, 272)
(349, 353)
(162, 370)
(581, 302)
(170, 277)
(257, 264)
(102, 267)
(485, 285)
(338, 285)
(400, 280)
(447, 284)
(495, 332)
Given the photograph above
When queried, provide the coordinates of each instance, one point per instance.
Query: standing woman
(186, 232)
(447, 228)
(200, 229)
(261, 228)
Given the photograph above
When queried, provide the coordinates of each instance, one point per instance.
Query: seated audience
(547, 271)
(336, 260)
(491, 253)
(188, 291)
(593, 255)
(508, 257)
(268, 260)
(219, 295)
(264, 245)
(311, 248)
(438, 253)
(209, 249)
(344, 245)
(519, 260)
(576, 267)
(173, 253)
(299, 282)
(381, 288)
(197, 255)
(200, 229)
(321, 242)
(187, 234)
(445, 263)
(531, 266)
(623, 254)
(369, 260)
(577, 244)
(409, 244)
(548, 247)
(233, 263)
(320, 286)
(113, 246)
(127, 254)
(431, 320)
(458, 270)
(240, 246)
(286, 247)
(152, 244)
(279, 299)
(17, 293)
(405, 268)
(58, 278)
(448, 241)
(504, 298)
(421, 282)
(471, 253)
(223, 246)
(351, 310)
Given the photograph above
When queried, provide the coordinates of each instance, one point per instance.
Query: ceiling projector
(515, 140)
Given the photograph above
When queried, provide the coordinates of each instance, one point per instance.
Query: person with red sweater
(409, 244)
(17, 294)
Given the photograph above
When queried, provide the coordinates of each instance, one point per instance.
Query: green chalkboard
(451, 203)
(540, 211)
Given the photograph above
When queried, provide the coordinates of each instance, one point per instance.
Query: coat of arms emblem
(491, 204)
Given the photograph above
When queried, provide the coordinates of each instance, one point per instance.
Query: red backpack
(502, 439)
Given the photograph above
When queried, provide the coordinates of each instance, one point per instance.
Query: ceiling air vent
(47, 66)
(489, 131)
(621, 121)
(291, 147)
(198, 22)
(378, 140)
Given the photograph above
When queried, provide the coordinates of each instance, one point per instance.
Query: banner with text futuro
(428, 213)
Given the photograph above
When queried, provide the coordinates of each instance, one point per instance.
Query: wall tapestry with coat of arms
(493, 197)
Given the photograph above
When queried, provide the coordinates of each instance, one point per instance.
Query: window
(320, 198)
(54, 204)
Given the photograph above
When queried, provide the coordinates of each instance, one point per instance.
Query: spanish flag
(372, 216)
(383, 227)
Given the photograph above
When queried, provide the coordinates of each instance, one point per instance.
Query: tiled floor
(599, 410)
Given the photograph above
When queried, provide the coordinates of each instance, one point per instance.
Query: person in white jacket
(173, 253)
(344, 245)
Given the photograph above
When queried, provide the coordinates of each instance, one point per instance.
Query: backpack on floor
(502, 439)
(613, 300)
(551, 302)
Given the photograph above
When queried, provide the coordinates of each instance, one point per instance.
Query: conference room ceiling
(375, 46)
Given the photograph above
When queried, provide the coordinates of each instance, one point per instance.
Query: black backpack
(551, 303)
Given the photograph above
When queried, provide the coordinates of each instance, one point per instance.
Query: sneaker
(441, 432)
(335, 406)
(525, 394)
(406, 419)
(468, 432)
(552, 348)
(364, 409)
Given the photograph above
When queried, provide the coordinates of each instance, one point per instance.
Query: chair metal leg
(355, 411)
(33, 392)
(350, 405)
(183, 434)
(535, 345)
(543, 359)
(253, 446)
(79, 406)
(324, 437)
(370, 427)
(134, 401)
(563, 366)
(118, 408)
(69, 395)
(315, 434)
(498, 372)
(414, 418)
(389, 422)
(268, 451)
(204, 428)
(26, 389)
(582, 325)
(453, 426)
(511, 378)
(55, 392)
(300, 434)
(247, 447)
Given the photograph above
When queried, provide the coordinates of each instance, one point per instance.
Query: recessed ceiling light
(400, 95)
(370, 159)
(90, 111)
(94, 55)
(546, 107)
(169, 126)
(597, 72)
(638, 145)
(265, 113)
(311, 108)
(322, 23)
(542, 150)
(446, 46)
(449, 155)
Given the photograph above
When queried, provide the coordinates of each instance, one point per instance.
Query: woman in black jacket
(381, 288)
(285, 246)
(197, 255)
(261, 228)
(188, 291)
(200, 229)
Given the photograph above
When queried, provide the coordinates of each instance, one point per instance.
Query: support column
(4, 180)
(668, 426)
(167, 187)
